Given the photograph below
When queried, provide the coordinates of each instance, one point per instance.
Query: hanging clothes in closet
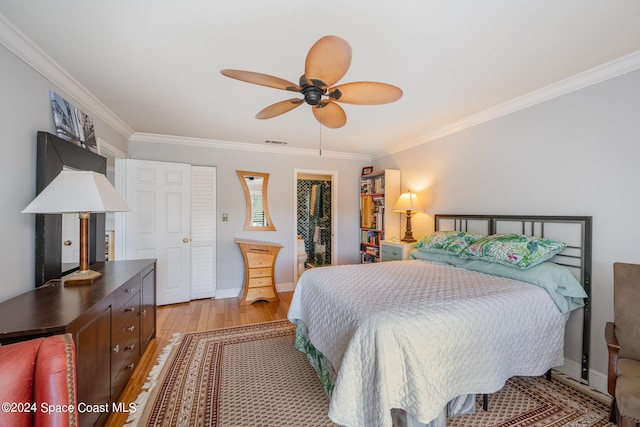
(316, 207)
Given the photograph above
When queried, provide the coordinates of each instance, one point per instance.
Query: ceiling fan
(327, 62)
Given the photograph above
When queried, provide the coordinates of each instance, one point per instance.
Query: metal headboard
(573, 230)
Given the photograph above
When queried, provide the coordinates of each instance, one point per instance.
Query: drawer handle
(130, 366)
(127, 310)
(130, 328)
(143, 313)
(395, 252)
(129, 290)
(130, 347)
(116, 349)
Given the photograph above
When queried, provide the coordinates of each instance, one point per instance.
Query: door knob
(67, 243)
(185, 240)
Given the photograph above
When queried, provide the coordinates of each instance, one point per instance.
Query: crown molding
(243, 146)
(30, 53)
(19, 44)
(615, 68)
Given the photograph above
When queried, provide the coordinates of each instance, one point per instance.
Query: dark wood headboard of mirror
(54, 154)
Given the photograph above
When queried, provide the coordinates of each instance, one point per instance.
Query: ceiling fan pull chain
(320, 140)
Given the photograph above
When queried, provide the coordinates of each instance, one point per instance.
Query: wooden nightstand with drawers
(394, 251)
(259, 261)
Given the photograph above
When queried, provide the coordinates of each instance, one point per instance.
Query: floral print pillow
(447, 242)
(514, 250)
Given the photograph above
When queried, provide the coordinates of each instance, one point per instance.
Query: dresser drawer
(256, 260)
(123, 351)
(254, 294)
(124, 346)
(260, 282)
(120, 333)
(126, 291)
(123, 367)
(126, 311)
(260, 272)
(394, 251)
(388, 253)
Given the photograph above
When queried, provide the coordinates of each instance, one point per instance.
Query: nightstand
(394, 251)
(259, 259)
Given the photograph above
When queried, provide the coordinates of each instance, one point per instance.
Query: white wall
(24, 110)
(230, 199)
(578, 154)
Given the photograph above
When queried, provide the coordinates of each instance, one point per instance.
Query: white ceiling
(155, 63)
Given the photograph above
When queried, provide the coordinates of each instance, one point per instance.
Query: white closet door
(203, 232)
(159, 225)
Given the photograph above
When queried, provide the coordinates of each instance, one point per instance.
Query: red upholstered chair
(38, 383)
(623, 344)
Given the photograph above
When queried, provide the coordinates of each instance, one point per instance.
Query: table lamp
(81, 192)
(408, 203)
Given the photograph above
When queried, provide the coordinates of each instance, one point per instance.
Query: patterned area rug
(252, 376)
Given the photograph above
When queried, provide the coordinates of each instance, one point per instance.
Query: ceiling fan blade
(330, 114)
(278, 108)
(327, 61)
(261, 79)
(365, 93)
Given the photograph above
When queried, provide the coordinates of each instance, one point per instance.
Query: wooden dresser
(112, 322)
(259, 261)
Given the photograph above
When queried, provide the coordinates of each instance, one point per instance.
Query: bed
(412, 342)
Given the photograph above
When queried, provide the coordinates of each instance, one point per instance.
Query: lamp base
(408, 234)
(408, 238)
(84, 277)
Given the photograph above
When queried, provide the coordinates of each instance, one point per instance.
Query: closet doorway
(315, 225)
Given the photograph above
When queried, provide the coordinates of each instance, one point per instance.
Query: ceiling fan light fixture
(312, 94)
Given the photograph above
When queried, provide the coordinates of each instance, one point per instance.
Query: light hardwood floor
(194, 316)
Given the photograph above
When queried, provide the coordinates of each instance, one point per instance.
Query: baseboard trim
(285, 287)
(572, 369)
(228, 293)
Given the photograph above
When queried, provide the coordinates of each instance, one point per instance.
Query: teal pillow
(450, 258)
(513, 250)
(447, 242)
(563, 288)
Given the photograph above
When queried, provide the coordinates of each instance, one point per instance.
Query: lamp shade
(408, 202)
(78, 191)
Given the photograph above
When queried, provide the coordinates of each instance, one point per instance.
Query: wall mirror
(54, 155)
(255, 193)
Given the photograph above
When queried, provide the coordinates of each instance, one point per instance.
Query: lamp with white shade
(410, 204)
(84, 193)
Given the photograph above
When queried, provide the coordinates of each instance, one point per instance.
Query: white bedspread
(414, 334)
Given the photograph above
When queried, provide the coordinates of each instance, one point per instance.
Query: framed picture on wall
(367, 170)
(64, 116)
(85, 128)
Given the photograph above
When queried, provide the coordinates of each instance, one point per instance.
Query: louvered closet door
(203, 232)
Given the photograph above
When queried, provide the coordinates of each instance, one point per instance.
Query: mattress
(414, 335)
